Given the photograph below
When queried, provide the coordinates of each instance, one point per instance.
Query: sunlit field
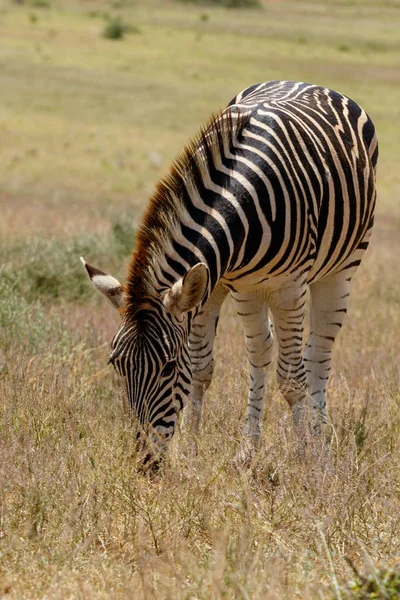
(87, 127)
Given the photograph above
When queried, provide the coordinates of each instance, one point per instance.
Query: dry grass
(78, 521)
(78, 120)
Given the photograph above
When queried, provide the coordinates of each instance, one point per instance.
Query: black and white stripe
(276, 196)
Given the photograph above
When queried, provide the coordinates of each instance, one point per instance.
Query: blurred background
(96, 98)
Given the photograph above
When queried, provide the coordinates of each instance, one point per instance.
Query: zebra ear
(187, 293)
(106, 284)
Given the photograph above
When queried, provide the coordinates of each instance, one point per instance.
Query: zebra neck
(171, 249)
(190, 245)
(186, 220)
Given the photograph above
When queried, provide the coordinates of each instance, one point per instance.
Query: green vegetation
(382, 583)
(20, 320)
(87, 127)
(47, 269)
(115, 29)
(227, 3)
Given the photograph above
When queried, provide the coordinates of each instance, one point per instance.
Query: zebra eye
(168, 368)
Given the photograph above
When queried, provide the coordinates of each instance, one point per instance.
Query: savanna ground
(87, 126)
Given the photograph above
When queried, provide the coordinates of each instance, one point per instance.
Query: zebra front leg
(258, 339)
(201, 342)
(329, 302)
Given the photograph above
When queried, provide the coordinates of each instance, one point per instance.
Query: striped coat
(274, 197)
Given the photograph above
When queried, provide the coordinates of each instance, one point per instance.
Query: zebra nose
(152, 464)
(150, 452)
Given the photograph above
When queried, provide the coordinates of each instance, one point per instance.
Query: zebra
(274, 197)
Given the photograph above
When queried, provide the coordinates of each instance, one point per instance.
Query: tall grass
(79, 521)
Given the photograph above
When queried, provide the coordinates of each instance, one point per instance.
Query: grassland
(87, 126)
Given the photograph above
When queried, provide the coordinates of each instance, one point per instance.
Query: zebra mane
(166, 208)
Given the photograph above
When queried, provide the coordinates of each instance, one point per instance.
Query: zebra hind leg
(288, 308)
(329, 300)
(252, 310)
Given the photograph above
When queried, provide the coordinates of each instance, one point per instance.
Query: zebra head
(150, 350)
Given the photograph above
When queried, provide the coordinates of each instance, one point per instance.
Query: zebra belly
(261, 281)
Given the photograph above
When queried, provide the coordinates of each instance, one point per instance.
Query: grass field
(87, 127)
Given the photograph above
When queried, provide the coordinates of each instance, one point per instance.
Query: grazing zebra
(275, 196)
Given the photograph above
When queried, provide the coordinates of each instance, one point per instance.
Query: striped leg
(288, 308)
(329, 302)
(201, 342)
(258, 338)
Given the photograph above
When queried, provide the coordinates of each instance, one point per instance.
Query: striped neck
(174, 234)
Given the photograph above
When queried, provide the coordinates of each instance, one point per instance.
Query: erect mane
(167, 205)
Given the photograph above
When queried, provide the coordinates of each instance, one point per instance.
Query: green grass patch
(116, 28)
(50, 269)
(378, 583)
(226, 3)
(38, 274)
(20, 321)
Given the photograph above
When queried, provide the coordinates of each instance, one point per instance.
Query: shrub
(40, 3)
(123, 235)
(228, 3)
(115, 29)
(51, 268)
(240, 3)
